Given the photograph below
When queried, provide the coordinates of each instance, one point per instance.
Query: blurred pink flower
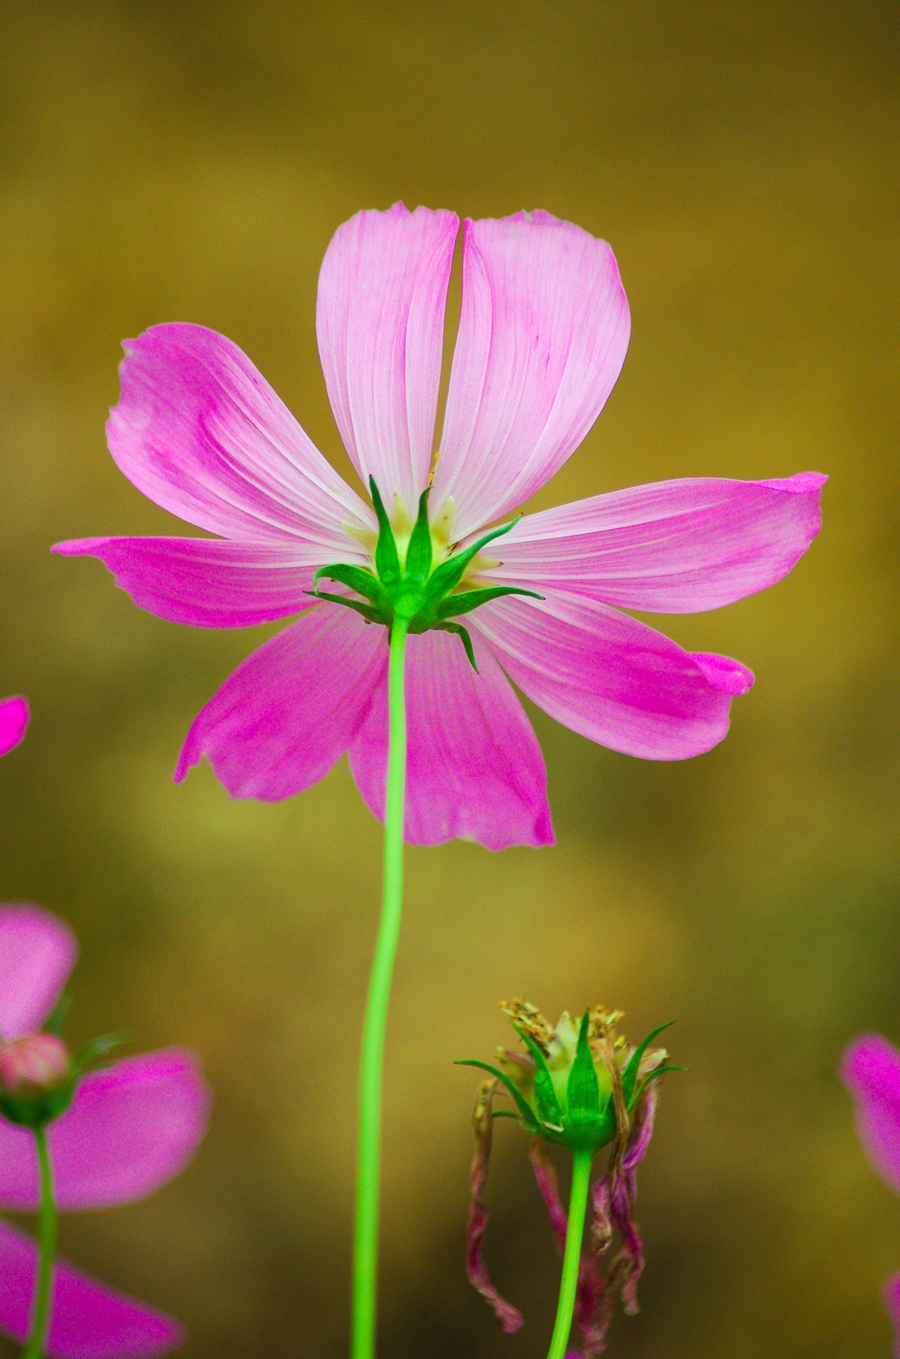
(542, 336)
(14, 717)
(870, 1069)
(130, 1127)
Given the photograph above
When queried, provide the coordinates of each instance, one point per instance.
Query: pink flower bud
(39, 1061)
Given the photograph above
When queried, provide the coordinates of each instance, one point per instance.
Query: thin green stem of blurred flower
(368, 1174)
(581, 1181)
(40, 1316)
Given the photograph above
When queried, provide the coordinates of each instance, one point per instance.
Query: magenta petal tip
(14, 718)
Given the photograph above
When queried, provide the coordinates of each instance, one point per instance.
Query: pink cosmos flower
(870, 1069)
(130, 1127)
(542, 337)
(14, 717)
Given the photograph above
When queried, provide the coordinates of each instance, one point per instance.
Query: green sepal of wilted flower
(578, 1113)
(410, 589)
(35, 1108)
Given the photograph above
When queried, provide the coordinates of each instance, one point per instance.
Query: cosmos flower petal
(870, 1068)
(380, 323)
(890, 1294)
(289, 712)
(88, 1319)
(131, 1127)
(474, 766)
(610, 677)
(14, 717)
(37, 953)
(209, 582)
(201, 432)
(670, 547)
(542, 336)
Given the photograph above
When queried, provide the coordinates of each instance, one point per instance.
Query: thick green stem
(40, 1314)
(368, 1173)
(581, 1182)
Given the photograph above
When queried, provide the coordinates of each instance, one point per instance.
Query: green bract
(413, 589)
(565, 1090)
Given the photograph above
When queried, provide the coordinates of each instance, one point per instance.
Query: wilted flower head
(583, 1088)
(870, 1069)
(542, 336)
(127, 1129)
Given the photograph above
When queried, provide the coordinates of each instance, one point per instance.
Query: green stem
(581, 1181)
(40, 1317)
(368, 1165)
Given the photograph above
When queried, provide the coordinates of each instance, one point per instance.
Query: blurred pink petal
(37, 953)
(670, 547)
(474, 769)
(890, 1294)
(870, 1068)
(200, 431)
(130, 1128)
(208, 582)
(610, 677)
(542, 337)
(291, 710)
(14, 716)
(380, 324)
(88, 1319)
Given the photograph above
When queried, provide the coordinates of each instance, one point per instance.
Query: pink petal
(870, 1069)
(14, 717)
(890, 1294)
(37, 953)
(380, 322)
(670, 547)
(542, 337)
(199, 430)
(289, 712)
(130, 1128)
(209, 582)
(610, 677)
(88, 1319)
(474, 767)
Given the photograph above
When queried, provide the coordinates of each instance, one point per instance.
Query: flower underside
(412, 586)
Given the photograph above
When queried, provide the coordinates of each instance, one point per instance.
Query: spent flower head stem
(580, 1086)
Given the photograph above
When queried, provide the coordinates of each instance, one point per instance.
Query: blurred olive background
(188, 161)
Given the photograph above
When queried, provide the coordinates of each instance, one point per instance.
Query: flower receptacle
(415, 580)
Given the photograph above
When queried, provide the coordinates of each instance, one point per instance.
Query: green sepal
(450, 573)
(97, 1047)
(419, 552)
(58, 1015)
(583, 1088)
(548, 1105)
(370, 614)
(463, 635)
(629, 1075)
(660, 1071)
(472, 599)
(387, 562)
(357, 577)
(525, 1110)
